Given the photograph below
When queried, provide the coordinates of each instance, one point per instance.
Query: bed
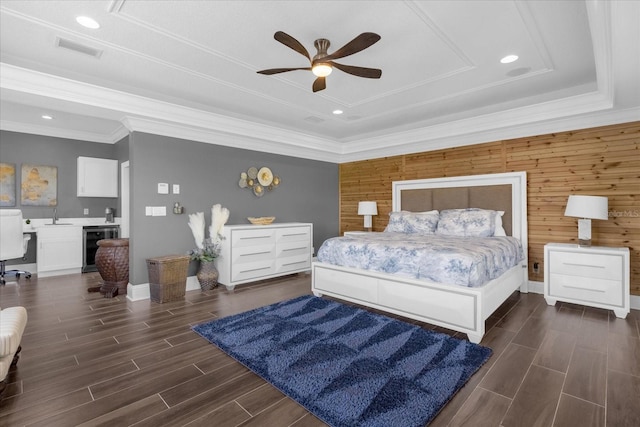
(439, 301)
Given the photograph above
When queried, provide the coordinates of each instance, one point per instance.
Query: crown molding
(431, 139)
(217, 137)
(112, 138)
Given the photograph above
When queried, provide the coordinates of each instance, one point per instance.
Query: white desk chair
(13, 242)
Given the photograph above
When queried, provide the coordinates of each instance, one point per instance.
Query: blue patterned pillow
(469, 222)
(413, 222)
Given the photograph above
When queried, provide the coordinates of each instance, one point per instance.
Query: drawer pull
(584, 289)
(294, 263)
(256, 253)
(294, 234)
(255, 237)
(255, 269)
(294, 249)
(583, 265)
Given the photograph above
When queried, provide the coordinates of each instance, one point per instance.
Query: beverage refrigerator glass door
(92, 234)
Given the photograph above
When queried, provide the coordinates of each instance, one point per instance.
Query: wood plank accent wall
(603, 161)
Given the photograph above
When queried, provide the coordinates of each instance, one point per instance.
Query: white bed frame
(450, 306)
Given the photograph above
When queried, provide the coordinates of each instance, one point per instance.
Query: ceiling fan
(322, 63)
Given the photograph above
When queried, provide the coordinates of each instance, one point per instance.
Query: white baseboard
(536, 287)
(142, 292)
(138, 292)
(193, 284)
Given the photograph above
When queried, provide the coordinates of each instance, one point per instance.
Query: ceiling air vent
(77, 47)
(313, 119)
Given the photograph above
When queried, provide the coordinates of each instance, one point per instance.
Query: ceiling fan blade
(361, 42)
(281, 70)
(319, 84)
(289, 41)
(370, 73)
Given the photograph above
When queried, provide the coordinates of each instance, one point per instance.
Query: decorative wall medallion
(259, 181)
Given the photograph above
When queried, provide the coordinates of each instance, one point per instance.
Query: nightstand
(595, 276)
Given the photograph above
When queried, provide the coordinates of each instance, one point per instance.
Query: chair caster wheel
(17, 275)
(28, 276)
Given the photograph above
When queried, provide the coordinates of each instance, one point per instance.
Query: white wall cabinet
(255, 252)
(59, 250)
(594, 276)
(97, 177)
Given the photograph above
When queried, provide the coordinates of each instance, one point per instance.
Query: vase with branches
(208, 249)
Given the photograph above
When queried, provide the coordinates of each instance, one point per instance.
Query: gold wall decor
(7, 184)
(259, 181)
(39, 185)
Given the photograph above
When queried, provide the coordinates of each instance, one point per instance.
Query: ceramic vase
(207, 275)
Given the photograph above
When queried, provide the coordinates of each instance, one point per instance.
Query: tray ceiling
(188, 69)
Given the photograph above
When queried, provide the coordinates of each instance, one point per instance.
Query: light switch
(176, 188)
(159, 211)
(163, 188)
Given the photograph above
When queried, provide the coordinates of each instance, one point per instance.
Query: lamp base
(585, 243)
(584, 232)
(368, 222)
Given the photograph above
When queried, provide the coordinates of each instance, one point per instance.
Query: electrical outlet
(536, 267)
(86, 211)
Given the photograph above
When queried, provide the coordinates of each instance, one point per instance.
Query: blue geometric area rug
(347, 366)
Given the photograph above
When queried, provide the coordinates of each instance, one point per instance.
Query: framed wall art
(39, 185)
(7, 184)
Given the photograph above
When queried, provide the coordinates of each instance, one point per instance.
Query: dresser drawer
(294, 234)
(252, 237)
(587, 289)
(253, 270)
(597, 266)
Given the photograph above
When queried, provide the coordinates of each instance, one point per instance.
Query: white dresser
(255, 252)
(595, 276)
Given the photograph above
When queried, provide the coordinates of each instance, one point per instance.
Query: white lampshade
(591, 207)
(367, 208)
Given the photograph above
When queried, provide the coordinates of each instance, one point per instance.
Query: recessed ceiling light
(87, 22)
(337, 112)
(509, 59)
(47, 117)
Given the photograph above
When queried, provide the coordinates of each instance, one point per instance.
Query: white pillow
(471, 222)
(499, 230)
(413, 222)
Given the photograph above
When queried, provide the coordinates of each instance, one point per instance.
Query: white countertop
(70, 222)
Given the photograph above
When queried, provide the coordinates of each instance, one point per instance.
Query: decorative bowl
(263, 220)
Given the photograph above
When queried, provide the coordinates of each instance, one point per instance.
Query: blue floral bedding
(464, 261)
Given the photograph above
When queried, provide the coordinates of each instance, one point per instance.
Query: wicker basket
(167, 277)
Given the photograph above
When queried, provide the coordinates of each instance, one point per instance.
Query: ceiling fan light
(321, 69)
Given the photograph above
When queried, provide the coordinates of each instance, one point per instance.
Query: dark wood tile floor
(93, 361)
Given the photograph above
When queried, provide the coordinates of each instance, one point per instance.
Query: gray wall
(20, 148)
(209, 174)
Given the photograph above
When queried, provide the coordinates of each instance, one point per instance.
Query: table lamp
(367, 209)
(586, 208)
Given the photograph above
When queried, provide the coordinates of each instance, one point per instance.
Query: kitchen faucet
(55, 215)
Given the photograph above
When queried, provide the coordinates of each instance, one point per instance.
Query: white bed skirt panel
(454, 307)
